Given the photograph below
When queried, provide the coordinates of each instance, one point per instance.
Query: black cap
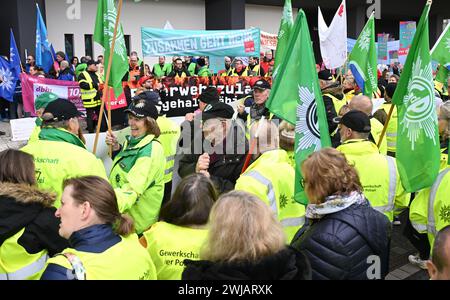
(217, 110)
(150, 96)
(92, 62)
(355, 120)
(325, 75)
(62, 109)
(209, 95)
(142, 108)
(261, 84)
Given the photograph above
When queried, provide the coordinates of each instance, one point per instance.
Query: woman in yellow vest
(102, 241)
(29, 228)
(182, 227)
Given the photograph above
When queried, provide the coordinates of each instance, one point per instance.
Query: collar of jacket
(358, 147)
(60, 135)
(96, 238)
(19, 206)
(270, 157)
(136, 143)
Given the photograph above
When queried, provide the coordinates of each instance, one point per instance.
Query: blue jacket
(338, 246)
(94, 239)
(67, 75)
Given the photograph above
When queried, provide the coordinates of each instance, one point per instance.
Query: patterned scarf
(334, 204)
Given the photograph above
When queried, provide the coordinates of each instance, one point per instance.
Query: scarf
(60, 135)
(334, 204)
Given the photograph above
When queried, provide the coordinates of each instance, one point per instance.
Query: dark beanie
(209, 95)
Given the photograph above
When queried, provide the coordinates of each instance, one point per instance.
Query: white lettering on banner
(212, 42)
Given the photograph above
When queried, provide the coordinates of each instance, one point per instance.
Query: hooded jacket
(287, 264)
(340, 244)
(25, 208)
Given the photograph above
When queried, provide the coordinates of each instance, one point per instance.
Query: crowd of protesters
(233, 215)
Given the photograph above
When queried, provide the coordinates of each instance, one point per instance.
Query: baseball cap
(44, 99)
(325, 75)
(217, 110)
(62, 109)
(355, 120)
(261, 84)
(209, 95)
(141, 108)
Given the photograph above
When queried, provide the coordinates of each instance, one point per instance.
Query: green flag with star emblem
(418, 155)
(103, 34)
(363, 59)
(296, 98)
(441, 50)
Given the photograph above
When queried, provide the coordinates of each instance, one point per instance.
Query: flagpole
(252, 146)
(383, 132)
(106, 89)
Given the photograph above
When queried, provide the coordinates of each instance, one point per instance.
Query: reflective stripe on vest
(431, 226)
(392, 187)
(271, 192)
(26, 271)
(296, 221)
(169, 159)
(419, 227)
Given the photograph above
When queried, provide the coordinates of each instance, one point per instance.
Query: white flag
(333, 39)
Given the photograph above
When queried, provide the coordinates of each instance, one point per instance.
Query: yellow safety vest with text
(169, 245)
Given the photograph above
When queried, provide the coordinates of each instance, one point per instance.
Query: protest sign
(21, 129)
(382, 48)
(180, 95)
(160, 42)
(269, 40)
(407, 31)
(70, 90)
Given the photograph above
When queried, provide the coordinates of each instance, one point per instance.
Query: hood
(287, 264)
(20, 204)
(26, 194)
(336, 91)
(372, 225)
(358, 147)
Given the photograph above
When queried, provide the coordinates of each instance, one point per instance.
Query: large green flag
(286, 24)
(417, 155)
(103, 34)
(363, 59)
(296, 98)
(441, 50)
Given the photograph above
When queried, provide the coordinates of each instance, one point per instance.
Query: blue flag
(14, 57)
(44, 50)
(7, 80)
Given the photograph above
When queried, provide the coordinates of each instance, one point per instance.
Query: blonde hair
(327, 173)
(242, 227)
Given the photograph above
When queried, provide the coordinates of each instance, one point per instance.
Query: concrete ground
(400, 268)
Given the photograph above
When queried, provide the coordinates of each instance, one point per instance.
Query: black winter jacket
(23, 206)
(287, 264)
(224, 169)
(339, 245)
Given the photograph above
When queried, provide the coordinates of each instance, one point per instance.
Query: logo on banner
(307, 123)
(419, 102)
(249, 46)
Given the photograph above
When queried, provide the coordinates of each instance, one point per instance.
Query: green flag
(418, 154)
(363, 59)
(441, 50)
(286, 24)
(296, 98)
(103, 34)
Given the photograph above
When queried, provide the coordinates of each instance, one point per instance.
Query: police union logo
(307, 126)
(420, 117)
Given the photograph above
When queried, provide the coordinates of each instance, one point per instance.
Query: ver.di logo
(420, 117)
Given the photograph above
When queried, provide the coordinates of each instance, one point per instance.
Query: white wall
(182, 14)
(267, 18)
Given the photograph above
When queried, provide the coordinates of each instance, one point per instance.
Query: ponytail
(125, 225)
